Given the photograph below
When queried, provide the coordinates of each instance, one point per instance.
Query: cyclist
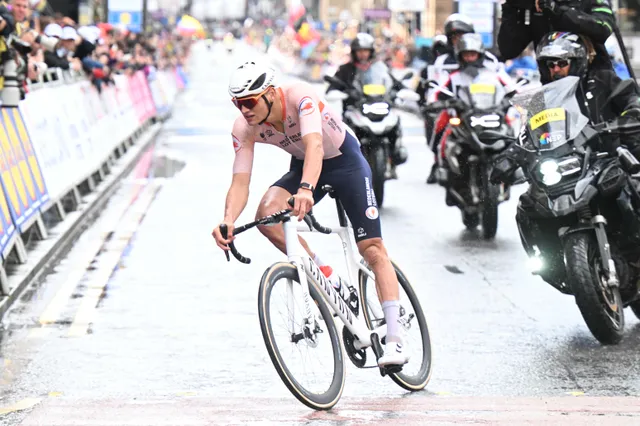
(324, 151)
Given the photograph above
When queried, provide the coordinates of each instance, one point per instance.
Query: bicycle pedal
(390, 369)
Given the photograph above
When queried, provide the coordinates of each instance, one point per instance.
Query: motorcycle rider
(469, 53)
(562, 54)
(455, 26)
(527, 21)
(363, 56)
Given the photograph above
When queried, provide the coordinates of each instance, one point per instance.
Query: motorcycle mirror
(442, 89)
(408, 75)
(408, 95)
(334, 81)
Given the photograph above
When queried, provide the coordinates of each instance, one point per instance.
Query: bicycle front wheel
(417, 372)
(281, 310)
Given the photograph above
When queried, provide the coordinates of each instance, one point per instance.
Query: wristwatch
(305, 185)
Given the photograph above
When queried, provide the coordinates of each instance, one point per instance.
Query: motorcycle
(579, 220)
(372, 118)
(476, 134)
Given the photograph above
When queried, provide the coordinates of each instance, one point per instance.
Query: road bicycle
(306, 325)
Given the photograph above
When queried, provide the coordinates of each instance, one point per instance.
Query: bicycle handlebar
(280, 216)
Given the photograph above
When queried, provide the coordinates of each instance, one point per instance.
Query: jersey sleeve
(243, 143)
(309, 108)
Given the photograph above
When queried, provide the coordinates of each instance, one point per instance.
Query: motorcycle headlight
(378, 108)
(552, 171)
(488, 121)
(549, 171)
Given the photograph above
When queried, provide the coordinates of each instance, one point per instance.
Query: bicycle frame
(308, 271)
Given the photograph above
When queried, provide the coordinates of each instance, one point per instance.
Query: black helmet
(360, 42)
(470, 43)
(457, 23)
(560, 45)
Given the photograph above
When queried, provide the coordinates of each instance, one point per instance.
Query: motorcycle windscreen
(552, 112)
(375, 81)
(374, 89)
(484, 92)
(483, 95)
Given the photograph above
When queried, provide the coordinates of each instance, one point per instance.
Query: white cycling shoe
(394, 354)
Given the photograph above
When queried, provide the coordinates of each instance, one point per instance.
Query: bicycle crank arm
(378, 351)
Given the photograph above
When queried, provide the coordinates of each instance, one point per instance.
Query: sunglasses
(248, 102)
(561, 63)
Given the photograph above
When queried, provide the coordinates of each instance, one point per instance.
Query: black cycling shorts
(349, 175)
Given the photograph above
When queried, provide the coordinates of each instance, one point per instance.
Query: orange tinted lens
(249, 103)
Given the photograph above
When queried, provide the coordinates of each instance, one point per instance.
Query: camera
(14, 68)
(14, 43)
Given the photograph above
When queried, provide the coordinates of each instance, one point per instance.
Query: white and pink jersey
(303, 113)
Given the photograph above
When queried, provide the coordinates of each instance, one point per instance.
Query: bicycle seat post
(342, 216)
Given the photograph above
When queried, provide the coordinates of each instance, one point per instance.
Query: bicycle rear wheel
(322, 336)
(417, 372)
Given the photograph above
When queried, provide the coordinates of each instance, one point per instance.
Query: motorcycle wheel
(378, 162)
(600, 306)
(490, 193)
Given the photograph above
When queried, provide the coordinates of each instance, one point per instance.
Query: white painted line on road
(20, 405)
(52, 312)
(108, 261)
(86, 311)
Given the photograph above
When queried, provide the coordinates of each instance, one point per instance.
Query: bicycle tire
(420, 380)
(329, 398)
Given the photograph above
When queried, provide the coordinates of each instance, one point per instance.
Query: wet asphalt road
(144, 322)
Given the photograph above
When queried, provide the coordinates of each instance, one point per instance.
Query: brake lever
(224, 230)
(307, 220)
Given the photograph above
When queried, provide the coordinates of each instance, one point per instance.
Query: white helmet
(251, 79)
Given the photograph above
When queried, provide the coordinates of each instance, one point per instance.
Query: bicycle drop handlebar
(281, 216)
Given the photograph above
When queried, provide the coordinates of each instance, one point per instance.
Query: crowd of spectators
(46, 43)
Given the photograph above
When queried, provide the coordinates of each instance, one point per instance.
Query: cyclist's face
(254, 114)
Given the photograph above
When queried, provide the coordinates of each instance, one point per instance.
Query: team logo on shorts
(236, 144)
(372, 213)
(306, 106)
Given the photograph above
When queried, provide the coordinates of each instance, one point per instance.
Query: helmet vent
(259, 82)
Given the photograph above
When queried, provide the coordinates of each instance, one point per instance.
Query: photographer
(526, 21)
(58, 58)
(19, 52)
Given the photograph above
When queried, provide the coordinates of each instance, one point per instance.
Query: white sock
(318, 261)
(391, 310)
